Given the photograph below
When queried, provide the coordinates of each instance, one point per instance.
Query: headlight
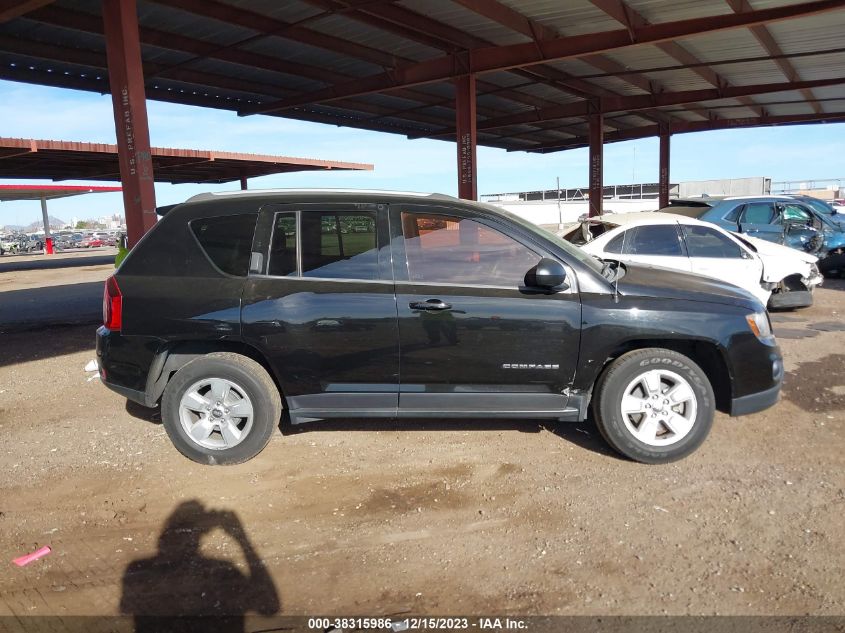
(759, 324)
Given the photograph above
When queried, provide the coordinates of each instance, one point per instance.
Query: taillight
(112, 305)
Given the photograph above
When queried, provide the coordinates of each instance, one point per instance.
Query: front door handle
(430, 304)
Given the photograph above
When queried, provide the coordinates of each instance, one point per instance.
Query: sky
(28, 111)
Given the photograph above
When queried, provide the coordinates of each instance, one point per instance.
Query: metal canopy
(14, 193)
(63, 160)
(542, 68)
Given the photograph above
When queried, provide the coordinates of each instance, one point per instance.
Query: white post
(559, 209)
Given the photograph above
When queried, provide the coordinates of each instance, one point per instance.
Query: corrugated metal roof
(656, 11)
(574, 17)
(356, 31)
(735, 44)
(69, 160)
(461, 18)
(289, 11)
(225, 55)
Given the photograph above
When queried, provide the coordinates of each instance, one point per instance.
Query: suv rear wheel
(221, 408)
(654, 405)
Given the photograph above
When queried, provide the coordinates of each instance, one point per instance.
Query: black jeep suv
(342, 304)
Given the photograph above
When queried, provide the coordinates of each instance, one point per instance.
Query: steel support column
(596, 163)
(48, 246)
(663, 176)
(465, 122)
(243, 183)
(126, 79)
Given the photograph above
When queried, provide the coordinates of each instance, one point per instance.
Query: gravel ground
(425, 517)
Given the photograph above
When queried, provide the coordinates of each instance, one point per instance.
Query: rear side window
(702, 241)
(661, 239)
(227, 241)
(758, 213)
(339, 245)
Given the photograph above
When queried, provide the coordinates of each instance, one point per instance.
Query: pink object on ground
(26, 559)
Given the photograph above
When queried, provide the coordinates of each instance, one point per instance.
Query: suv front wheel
(221, 408)
(654, 405)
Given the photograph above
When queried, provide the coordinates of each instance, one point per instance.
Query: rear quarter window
(227, 241)
(733, 214)
(615, 245)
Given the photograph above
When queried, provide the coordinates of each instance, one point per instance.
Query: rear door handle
(430, 304)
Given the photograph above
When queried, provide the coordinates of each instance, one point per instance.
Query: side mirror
(549, 273)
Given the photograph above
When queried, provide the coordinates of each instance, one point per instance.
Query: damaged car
(783, 220)
(778, 276)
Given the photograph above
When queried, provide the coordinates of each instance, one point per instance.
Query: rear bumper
(124, 366)
(140, 397)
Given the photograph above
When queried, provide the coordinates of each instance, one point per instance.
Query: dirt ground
(431, 518)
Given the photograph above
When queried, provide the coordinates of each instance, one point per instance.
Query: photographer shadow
(180, 589)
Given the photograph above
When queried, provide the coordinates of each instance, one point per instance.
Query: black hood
(663, 283)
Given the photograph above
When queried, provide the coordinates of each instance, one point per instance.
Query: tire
(222, 437)
(659, 432)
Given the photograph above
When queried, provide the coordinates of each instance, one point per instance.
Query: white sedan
(780, 277)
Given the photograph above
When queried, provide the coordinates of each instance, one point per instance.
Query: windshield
(739, 237)
(589, 260)
(819, 206)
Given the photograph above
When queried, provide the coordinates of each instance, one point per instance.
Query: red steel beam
(495, 58)
(11, 9)
(663, 167)
(633, 20)
(466, 137)
(716, 62)
(265, 90)
(596, 142)
(269, 26)
(419, 27)
(126, 78)
(67, 18)
(516, 21)
(764, 36)
(609, 105)
(682, 127)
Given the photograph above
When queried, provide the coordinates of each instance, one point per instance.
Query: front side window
(446, 249)
(702, 241)
(339, 245)
(227, 241)
(758, 213)
(661, 239)
(794, 213)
